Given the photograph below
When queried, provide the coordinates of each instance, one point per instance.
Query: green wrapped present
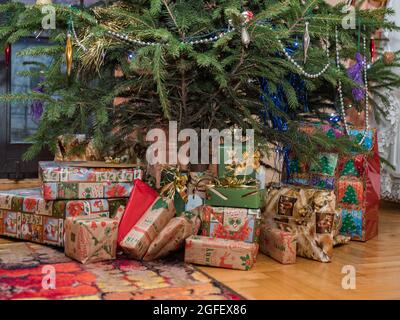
(250, 197)
(237, 162)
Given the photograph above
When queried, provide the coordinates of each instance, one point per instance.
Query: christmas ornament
(388, 57)
(37, 109)
(372, 48)
(247, 16)
(355, 73)
(7, 54)
(334, 118)
(306, 42)
(68, 54)
(130, 56)
(245, 36)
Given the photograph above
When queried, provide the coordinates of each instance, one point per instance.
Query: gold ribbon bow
(177, 182)
(240, 166)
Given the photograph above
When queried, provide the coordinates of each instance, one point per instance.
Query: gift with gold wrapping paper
(309, 213)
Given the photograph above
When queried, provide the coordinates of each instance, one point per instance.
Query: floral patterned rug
(24, 266)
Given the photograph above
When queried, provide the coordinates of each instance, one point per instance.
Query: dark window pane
(22, 120)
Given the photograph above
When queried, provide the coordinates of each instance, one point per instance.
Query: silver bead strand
(365, 69)
(342, 109)
(300, 68)
(80, 44)
(144, 43)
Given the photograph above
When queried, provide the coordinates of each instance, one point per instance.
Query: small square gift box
(245, 196)
(230, 223)
(223, 253)
(91, 238)
(278, 244)
(138, 240)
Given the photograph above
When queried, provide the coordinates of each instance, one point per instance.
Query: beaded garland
(340, 91)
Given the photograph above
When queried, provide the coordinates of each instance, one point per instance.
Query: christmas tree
(350, 195)
(348, 224)
(200, 63)
(349, 169)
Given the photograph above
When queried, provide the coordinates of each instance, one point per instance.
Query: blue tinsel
(280, 102)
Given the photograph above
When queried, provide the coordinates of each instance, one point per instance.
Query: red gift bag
(361, 173)
(141, 198)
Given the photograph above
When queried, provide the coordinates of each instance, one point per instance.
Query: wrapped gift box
(91, 238)
(76, 147)
(77, 171)
(222, 253)
(31, 201)
(238, 197)
(309, 213)
(278, 244)
(138, 240)
(86, 180)
(84, 190)
(32, 227)
(355, 179)
(236, 161)
(173, 236)
(141, 198)
(230, 223)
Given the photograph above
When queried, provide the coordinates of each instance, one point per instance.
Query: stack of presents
(96, 210)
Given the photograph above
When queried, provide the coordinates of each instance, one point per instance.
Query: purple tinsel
(355, 73)
(36, 110)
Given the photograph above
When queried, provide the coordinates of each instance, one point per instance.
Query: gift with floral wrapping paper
(230, 223)
(26, 215)
(86, 180)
